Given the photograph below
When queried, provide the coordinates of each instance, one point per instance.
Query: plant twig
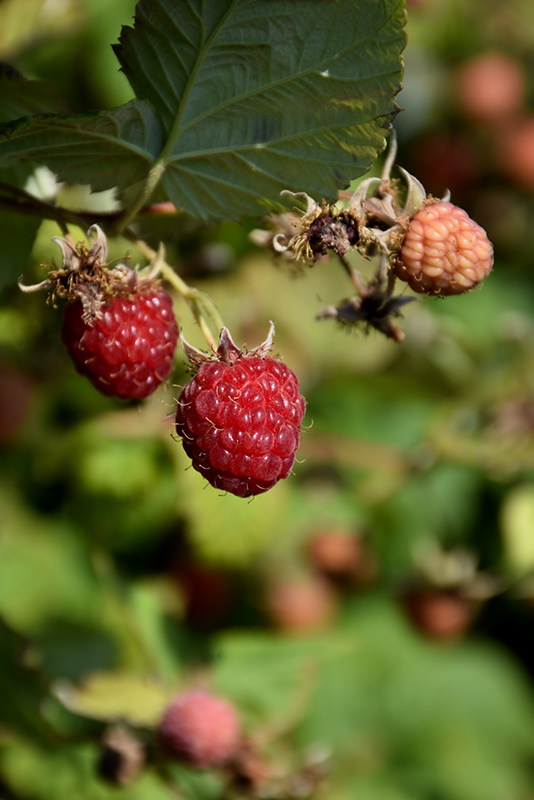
(354, 276)
(200, 303)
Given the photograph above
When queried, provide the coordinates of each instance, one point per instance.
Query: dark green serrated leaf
(17, 231)
(103, 149)
(255, 97)
(19, 97)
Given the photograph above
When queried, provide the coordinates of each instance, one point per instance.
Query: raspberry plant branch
(353, 275)
(199, 302)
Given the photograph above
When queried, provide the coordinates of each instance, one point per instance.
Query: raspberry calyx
(118, 325)
(239, 417)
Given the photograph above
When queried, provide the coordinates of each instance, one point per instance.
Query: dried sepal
(374, 310)
(227, 350)
(84, 275)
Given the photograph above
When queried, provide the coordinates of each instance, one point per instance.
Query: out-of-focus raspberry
(200, 729)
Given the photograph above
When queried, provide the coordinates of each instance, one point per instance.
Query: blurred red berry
(335, 552)
(515, 151)
(446, 162)
(16, 395)
(300, 605)
(440, 614)
(491, 87)
(206, 593)
(200, 729)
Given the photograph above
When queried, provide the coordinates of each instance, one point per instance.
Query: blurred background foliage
(372, 616)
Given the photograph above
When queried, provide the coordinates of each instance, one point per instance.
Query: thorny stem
(44, 210)
(199, 302)
(21, 202)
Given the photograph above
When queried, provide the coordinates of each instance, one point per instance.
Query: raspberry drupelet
(444, 251)
(239, 418)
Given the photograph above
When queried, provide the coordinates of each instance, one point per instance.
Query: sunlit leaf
(116, 696)
(517, 523)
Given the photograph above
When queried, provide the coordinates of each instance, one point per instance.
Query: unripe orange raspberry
(444, 251)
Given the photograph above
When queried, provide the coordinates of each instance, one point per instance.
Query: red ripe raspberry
(239, 419)
(128, 349)
(118, 327)
(201, 729)
(444, 252)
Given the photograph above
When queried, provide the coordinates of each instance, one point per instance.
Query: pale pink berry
(444, 251)
(200, 729)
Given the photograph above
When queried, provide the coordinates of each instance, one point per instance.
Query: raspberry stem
(200, 303)
(354, 276)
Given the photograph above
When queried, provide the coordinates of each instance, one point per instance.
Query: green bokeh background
(424, 443)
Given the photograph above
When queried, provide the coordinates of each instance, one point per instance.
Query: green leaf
(20, 97)
(517, 521)
(69, 772)
(23, 691)
(255, 97)
(243, 529)
(267, 675)
(103, 149)
(17, 232)
(109, 696)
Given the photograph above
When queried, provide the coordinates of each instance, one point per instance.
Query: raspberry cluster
(239, 420)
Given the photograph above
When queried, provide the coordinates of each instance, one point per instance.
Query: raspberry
(300, 604)
(444, 252)
(336, 552)
(128, 349)
(515, 151)
(491, 87)
(118, 326)
(440, 614)
(200, 729)
(239, 419)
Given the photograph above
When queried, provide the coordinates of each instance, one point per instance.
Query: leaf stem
(152, 180)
